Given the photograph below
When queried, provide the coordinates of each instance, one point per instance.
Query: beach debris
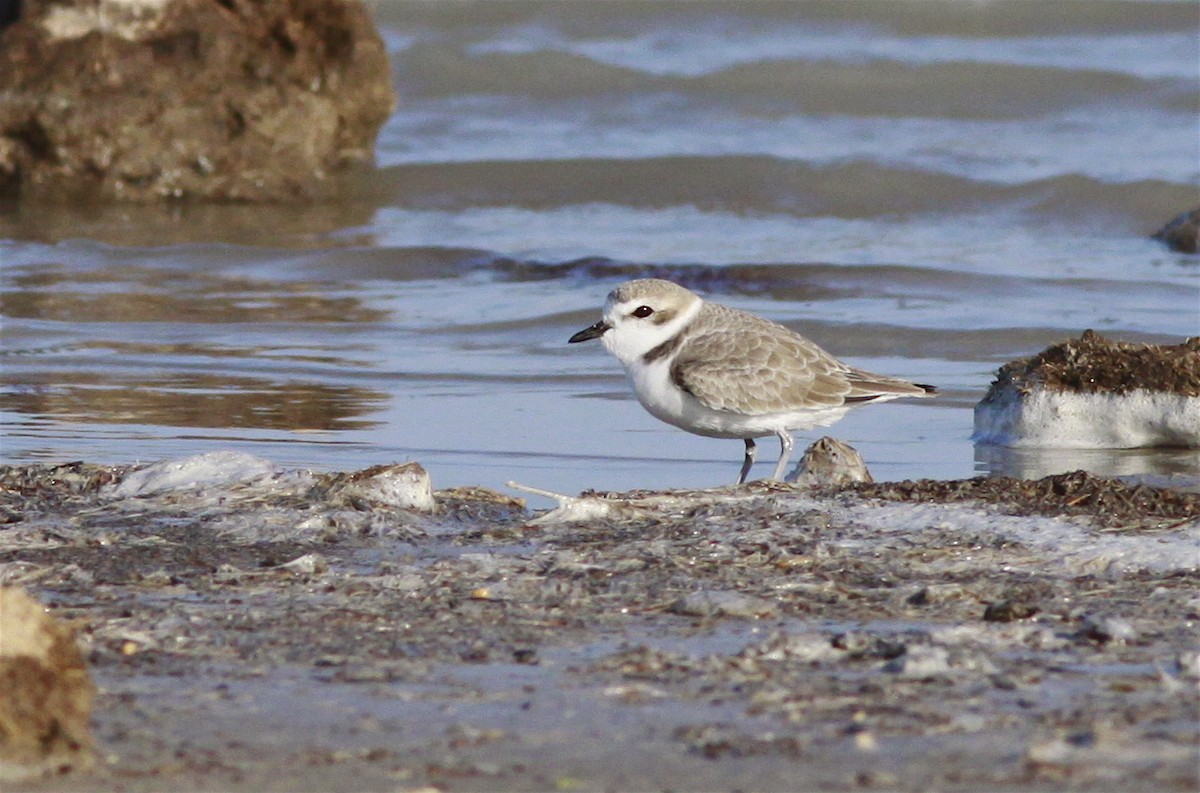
(1095, 393)
(570, 509)
(46, 692)
(595, 506)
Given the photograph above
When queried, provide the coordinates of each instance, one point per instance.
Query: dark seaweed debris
(53, 484)
(1110, 502)
(1095, 364)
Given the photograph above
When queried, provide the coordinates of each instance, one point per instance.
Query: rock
(45, 692)
(248, 100)
(828, 461)
(1181, 233)
(1095, 393)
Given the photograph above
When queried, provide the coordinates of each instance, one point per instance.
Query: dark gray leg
(751, 450)
(785, 451)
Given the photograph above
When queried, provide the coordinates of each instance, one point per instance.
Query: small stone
(1103, 630)
(308, 564)
(920, 661)
(158, 578)
(1188, 663)
(853, 642)
(857, 644)
(864, 741)
(404, 486)
(634, 693)
(1008, 611)
(828, 461)
(1182, 233)
(525, 655)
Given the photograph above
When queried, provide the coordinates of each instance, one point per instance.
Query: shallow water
(926, 190)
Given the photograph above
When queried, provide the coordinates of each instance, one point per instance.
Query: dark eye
(641, 312)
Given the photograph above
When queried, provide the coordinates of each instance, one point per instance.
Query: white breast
(654, 389)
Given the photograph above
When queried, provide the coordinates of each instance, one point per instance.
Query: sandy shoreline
(273, 636)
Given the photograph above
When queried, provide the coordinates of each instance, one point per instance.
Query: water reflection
(139, 294)
(212, 401)
(1180, 465)
(156, 346)
(323, 224)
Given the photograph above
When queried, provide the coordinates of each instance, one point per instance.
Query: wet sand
(279, 635)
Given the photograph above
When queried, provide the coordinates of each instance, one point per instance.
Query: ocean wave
(956, 89)
(752, 184)
(930, 17)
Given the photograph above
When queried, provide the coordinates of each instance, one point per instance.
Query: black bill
(590, 332)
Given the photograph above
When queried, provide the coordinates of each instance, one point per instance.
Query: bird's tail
(868, 387)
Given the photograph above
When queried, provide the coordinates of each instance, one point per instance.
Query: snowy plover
(720, 372)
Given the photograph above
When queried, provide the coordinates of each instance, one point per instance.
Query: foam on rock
(1095, 393)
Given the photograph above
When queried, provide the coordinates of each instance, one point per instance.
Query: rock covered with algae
(1095, 393)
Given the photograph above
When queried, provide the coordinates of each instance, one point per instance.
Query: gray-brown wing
(739, 362)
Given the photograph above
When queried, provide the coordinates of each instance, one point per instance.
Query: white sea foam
(1073, 420)
(200, 471)
(1077, 547)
